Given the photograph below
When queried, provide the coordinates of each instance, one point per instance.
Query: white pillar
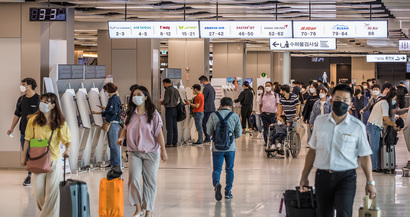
(281, 67)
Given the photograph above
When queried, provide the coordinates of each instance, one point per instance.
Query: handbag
(106, 126)
(39, 158)
(369, 208)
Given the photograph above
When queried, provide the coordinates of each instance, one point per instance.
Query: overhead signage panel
(246, 29)
(303, 44)
(160, 29)
(404, 44)
(340, 29)
(386, 58)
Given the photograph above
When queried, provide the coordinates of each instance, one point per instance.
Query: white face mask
(268, 89)
(303, 89)
(280, 122)
(365, 87)
(44, 107)
(370, 83)
(393, 102)
(138, 100)
(260, 91)
(376, 92)
(322, 95)
(312, 90)
(23, 88)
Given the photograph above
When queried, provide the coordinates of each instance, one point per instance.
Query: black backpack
(181, 112)
(223, 135)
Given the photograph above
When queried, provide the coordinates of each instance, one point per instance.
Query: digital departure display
(48, 14)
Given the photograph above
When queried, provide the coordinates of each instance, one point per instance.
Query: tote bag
(39, 158)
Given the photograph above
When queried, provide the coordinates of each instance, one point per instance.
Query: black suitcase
(74, 198)
(300, 203)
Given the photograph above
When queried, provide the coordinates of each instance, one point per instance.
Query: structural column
(57, 43)
(281, 67)
(229, 60)
(191, 56)
(130, 61)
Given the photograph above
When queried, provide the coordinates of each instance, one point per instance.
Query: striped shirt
(289, 106)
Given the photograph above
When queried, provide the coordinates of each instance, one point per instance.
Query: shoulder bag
(39, 158)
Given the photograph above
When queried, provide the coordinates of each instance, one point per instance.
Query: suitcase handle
(65, 158)
(298, 195)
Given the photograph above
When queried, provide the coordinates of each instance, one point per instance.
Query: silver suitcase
(388, 159)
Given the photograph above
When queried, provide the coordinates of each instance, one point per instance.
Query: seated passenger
(280, 132)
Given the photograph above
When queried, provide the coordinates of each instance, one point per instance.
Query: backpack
(390, 138)
(223, 135)
(181, 111)
(121, 116)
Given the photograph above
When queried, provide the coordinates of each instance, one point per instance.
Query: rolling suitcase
(388, 159)
(74, 198)
(300, 203)
(369, 208)
(111, 203)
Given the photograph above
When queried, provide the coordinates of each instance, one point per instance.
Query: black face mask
(357, 92)
(340, 108)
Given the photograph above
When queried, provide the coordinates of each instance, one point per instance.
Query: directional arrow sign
(303, 44)
(395, 58)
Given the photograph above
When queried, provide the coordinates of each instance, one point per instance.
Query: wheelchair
(291, 143)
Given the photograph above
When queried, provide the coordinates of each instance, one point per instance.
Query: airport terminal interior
(74, 48)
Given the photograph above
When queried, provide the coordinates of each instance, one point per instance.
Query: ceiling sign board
(404, 44)
(160, 29)
(303, 44)
(340, 29)
(246, 29)
(387, 58)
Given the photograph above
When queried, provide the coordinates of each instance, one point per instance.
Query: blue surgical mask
(138, 100)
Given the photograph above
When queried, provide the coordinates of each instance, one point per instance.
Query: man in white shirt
(338, 140)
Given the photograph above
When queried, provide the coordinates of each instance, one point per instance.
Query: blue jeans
(198, 117)
(373, 132)
(258, 121)
(279, 137)
(112, 135)
(204, 121)
(22, 140)
(218, 160)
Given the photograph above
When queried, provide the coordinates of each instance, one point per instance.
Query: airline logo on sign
(246, 29)
(387, 58)
(340, 29)
(303, 44)
(129, 29)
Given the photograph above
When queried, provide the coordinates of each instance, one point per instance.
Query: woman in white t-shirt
(381, 115)
(256, 110)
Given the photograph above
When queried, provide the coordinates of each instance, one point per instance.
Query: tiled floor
(185, 187)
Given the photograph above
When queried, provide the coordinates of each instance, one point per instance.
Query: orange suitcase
(111, 202)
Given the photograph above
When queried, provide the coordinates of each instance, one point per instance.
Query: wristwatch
(371, 183)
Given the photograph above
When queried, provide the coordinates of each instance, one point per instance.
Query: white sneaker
(272, 147)
(260, 135)
(278, 146)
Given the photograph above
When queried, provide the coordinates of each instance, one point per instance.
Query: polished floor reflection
(185, 186)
